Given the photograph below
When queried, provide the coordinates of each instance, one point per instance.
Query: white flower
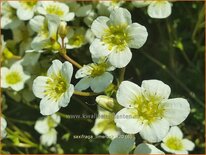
(55, 8)
(49, 138)
(95, 75)
(174, 142)
(76, 38)
(115, 36)
(46, 127)
(13, 77)
(145, 148)
(148, 110)
(54, 89)
(46, 28)
(122, 144)
(25, 9)
(126, 143)
(8, 16)
(106, 7)
(3, 128)
(157, 8)
(104, 123)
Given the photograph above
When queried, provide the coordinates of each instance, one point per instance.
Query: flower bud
(105, 102)
(63, 30)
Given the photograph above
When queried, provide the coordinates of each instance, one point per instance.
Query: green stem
(80, 93)
(64, 54)
(21, 121)
(121, 75)
(71, 60)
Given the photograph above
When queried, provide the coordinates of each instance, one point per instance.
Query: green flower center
(44, 29)
(13, 78)
(51, 122)
(116, 36)
(29, 5)
(77, 40)
(56, 87)
(174, 143)
(148, 110)
(55, 10)
(98, 69)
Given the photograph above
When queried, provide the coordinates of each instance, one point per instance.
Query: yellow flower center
(55, 10)
(98, 69)
(116, 36)
(77, 40)
(148, 110)
(51, 122)
(29, 5)
(56, 87)
(174, 143)
(13, 78)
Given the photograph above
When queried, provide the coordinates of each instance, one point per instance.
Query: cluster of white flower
(111, 35)
(46, 127)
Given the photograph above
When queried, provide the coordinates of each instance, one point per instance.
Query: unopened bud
(106, 102)
(7, 54)
(63, 30)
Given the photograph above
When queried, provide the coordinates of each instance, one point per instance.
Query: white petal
(173, 151)
(37, 23)
(138, 35)
(176, 110)
(14, 4)
(188, 145)
(83, 10)
(69, 17)
(84, 71)
(56, 118)
(120, 59)
(55, 68)
(140, 3)
(49, 138)
(127, 93)
(17, 68)
(99, 25)
(48, 106)
(67, 96)
(126, 120)
(67, 71)
(100, 83)
(18, 86)
(122, 145)
(83, 84)
(159, 9)
(53, 23)
(145, 148)
(112, 132)
(41, 126)
(155, 88)
(98, 48)
(4, 72)
(174, 132)
(25, 14)
(120, 16)
(155, 131)
(39, 86)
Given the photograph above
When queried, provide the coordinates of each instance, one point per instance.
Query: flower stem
(64, 54)
(121, 75)
(80, 93)
(71, 60)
